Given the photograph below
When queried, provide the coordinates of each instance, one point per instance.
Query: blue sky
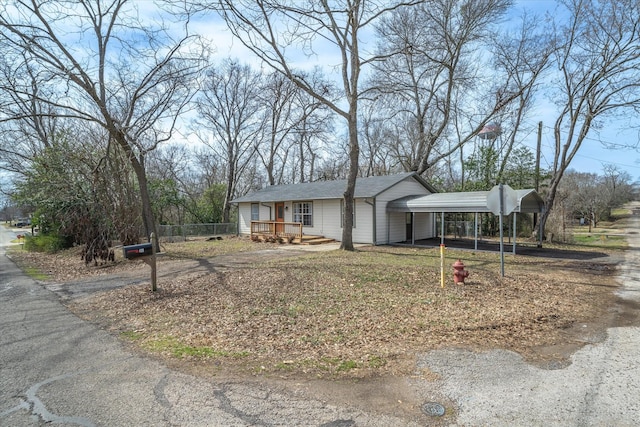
(611, 145)
(593, 155)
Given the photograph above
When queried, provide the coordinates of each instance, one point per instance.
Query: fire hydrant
(459, 273)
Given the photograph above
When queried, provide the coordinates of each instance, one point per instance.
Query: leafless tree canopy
(446, 73)
(277, 30)
(343, 88)
(96, 61)
(596, 71)
(230, 121)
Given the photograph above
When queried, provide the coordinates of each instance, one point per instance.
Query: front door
(409, 226)
(279, 218)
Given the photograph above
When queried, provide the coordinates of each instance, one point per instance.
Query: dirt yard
(238, 308)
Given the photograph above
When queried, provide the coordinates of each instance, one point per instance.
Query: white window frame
(255, 215)
(303, 212)
(342, 213)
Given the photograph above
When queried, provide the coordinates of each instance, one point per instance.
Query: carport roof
(529, 201)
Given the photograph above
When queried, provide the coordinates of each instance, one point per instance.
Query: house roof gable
(323, 190)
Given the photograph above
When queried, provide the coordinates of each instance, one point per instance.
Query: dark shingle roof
(365, 187)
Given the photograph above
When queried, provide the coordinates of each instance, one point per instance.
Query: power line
(608, 162)
(551, 146)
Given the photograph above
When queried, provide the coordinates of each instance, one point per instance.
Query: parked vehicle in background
(23, 222)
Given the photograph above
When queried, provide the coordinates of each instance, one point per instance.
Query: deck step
(318, 241)
(312, 240)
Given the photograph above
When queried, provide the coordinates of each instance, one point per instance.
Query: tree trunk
(148, 218)
(548, 203)
(226, 209)
(147, 213)
(231, 183)
(354, 154)
(301, 154)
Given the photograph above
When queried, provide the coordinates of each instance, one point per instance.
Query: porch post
(434, 223)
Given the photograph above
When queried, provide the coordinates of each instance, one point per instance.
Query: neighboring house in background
(319, 206)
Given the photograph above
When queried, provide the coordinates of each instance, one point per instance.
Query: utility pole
(537, 178)
(538, 156)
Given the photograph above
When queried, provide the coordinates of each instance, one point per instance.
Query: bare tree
(617, 188)
(446, 76)
(95, 61)
(230, 120)
(200, 182)
(277, 30)
(278, 96)
(523, 56)
(597, 76)
(585, 198)
(168, 170)
(431, 60)
(312, 133)
(28, 125)
(377, 137)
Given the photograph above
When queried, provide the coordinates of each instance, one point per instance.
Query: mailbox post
(146, 252)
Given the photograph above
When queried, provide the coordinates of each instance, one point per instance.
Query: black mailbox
(137, 251)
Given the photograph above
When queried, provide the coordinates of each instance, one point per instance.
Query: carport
(528, 201)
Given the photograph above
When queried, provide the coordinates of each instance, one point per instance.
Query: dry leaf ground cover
(349, 314)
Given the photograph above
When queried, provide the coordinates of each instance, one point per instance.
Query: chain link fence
(180, 233)
(459, 228)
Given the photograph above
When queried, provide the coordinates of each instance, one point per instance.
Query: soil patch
(341, 314)
(341, 323)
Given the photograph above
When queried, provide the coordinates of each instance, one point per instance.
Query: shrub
(45, 243)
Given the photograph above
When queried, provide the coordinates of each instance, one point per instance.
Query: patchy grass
(605, 235)
(35, 273)
(620, 213)
(353, 314)
(175, 348)
(131, 335)
(24, 261)
(202, 248)
(344, 314)
(601, 241)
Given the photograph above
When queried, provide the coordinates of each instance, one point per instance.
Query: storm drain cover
(433, 409)
(339, 423)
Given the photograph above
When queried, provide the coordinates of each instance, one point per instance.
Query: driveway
(56, 368)
(601, 386)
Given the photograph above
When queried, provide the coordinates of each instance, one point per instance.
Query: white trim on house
(371, 218)
(381, 206)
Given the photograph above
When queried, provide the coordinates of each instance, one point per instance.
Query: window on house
(342, 213)
(303, 212)
(255, 212)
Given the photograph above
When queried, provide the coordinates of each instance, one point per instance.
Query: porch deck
(284, 232)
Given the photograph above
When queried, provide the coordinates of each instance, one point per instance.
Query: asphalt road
(58, 369)
(600, 387)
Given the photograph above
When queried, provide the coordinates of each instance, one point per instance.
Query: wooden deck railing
(276, 228)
